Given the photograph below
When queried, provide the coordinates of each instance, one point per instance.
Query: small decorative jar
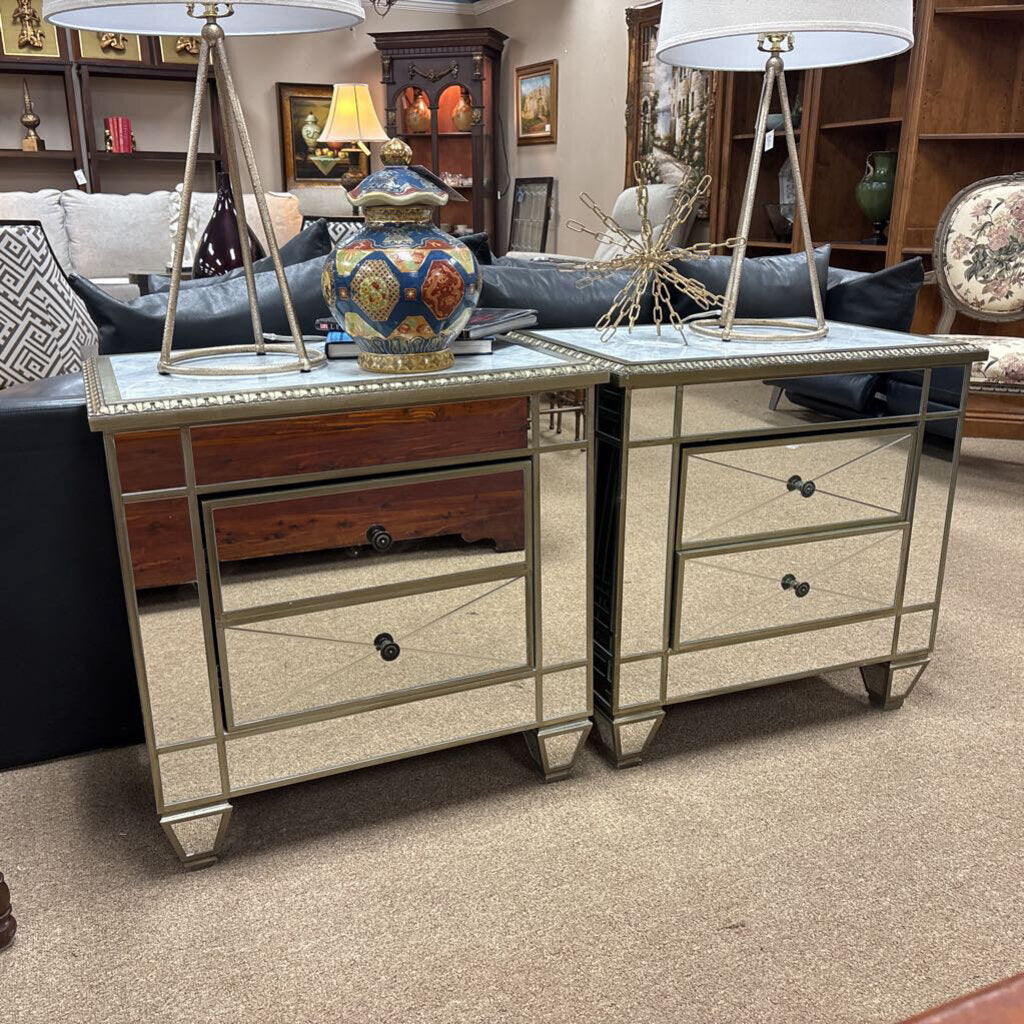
(462, 113)
(401, 288)
(418, 115)
(875, 192)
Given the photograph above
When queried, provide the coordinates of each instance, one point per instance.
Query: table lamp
(734, 35)
(352, 118)
(243, 17)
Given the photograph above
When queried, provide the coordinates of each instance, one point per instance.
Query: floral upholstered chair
(979, 269)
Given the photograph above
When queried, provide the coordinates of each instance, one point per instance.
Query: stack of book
(477, 339)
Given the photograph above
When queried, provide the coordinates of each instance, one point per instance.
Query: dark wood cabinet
(442, 98)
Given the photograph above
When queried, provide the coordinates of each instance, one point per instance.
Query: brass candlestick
(30, 120)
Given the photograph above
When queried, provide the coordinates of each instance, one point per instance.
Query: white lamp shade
(722, 34)
(352, 117)
(165, 18)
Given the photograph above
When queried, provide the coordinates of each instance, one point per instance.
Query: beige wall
(588, 38)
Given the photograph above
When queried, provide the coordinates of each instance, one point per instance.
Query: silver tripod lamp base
(212, 361)
(727, 326)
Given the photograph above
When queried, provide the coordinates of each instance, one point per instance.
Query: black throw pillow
(771, 286)
(480, 247)
(886, 299)
(561, 297)
(215, 315)
(313, 240)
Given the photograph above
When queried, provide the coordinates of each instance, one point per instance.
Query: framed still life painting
(537, 103)
(303, 110)
(669, 111)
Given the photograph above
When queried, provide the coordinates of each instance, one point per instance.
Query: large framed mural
(669, 111)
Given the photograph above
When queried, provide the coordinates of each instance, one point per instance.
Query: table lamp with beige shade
(352, 118)
(216, 20)
(735, 35)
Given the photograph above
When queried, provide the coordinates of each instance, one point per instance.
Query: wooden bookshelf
(952, 108)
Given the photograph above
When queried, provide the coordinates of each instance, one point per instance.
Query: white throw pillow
(285, 216)
(45, 207)
(113, 235)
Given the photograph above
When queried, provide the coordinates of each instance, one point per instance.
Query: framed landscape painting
(537, 103)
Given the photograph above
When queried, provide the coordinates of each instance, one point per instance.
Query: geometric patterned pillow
(982, 248)
(44, 325)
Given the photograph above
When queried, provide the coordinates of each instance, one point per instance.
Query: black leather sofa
(68, 681)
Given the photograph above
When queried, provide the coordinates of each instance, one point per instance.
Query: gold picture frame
(23, 33)
(536, 93)
(177, 51)
(110, 48)
(300, 167)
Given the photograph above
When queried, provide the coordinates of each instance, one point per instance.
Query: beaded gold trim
(408, 362)
(397, 214)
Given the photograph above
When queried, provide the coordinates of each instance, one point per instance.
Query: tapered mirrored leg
(627, 737)
(555, 749)
(888, 685)
(197, 835)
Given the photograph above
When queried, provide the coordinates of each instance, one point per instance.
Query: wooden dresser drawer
(789, 486)
(270, 449)
(297, 545)
(753, 589)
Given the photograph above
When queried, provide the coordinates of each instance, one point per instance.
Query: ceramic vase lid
(397, 184)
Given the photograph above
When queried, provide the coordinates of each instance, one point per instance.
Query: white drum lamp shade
(352, 117)
(163, 18)
(722, 34)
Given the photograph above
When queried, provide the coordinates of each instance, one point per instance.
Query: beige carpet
(786, 855)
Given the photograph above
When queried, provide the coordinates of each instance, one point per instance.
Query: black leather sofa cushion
(68, 680)
(561, 297)
(885, 299)
(312, 241)
(771, 286)
(945, 390)
(215, 315)
(836, 392)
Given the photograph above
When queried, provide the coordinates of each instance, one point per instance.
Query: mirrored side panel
(304, 544)
(189, 774)
(694, 673)
(382, 734)
(648, 513)
(565, 693)
(915, 632)
(928, 533)
(639, 682)
(170, 629)
(564, 530)
(652, 413)
(562, 416)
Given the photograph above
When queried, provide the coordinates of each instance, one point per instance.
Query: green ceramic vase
(875, 191)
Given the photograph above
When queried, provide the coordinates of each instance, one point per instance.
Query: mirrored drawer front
(315, 541)
(767, 588)
(301, 663)
(780, 487)
(712, 669)
(382, 734)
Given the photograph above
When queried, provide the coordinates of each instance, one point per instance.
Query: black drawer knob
(385, 643)
(789, 582)
(379, 538)
(805, 487)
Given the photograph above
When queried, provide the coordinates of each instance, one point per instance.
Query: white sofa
(106, 236)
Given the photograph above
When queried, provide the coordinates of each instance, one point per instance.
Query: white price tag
(769, 141)
(79, 175)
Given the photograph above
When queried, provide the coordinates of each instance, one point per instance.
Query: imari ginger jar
(401, 288)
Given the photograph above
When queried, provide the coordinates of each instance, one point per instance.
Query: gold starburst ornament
(651, 257)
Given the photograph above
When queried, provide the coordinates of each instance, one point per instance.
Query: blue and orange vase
(401, 288)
